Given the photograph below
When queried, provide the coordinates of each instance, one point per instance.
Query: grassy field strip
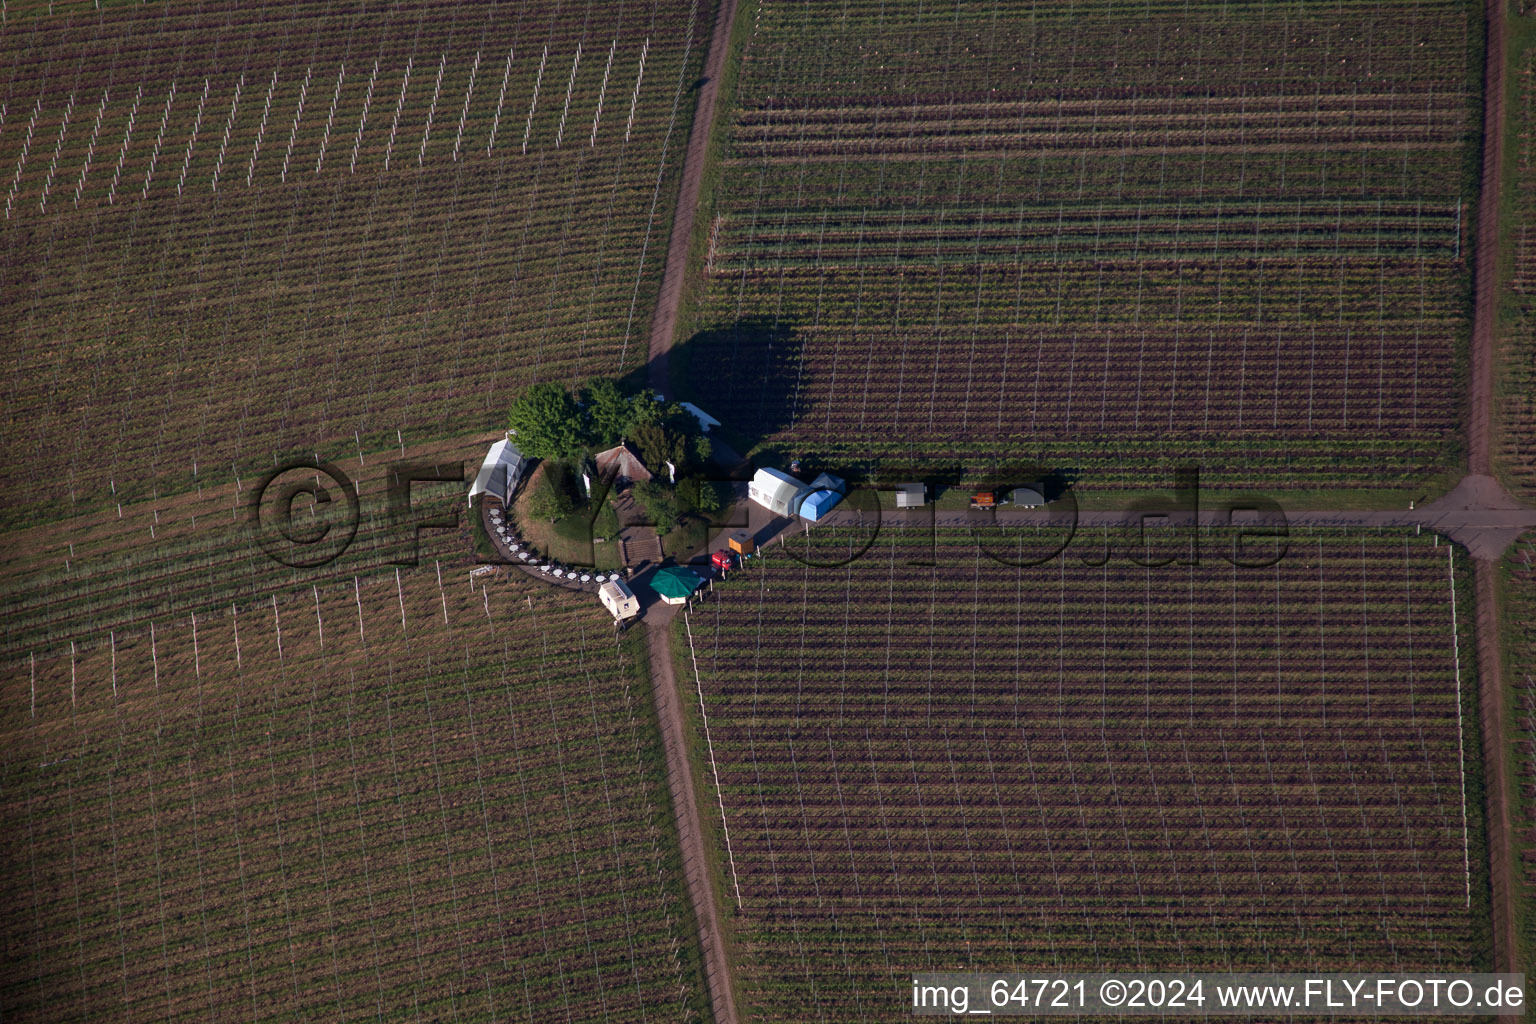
(1147, 231)
(1515, 417)
(1518, 592)
(714, 768)
(307, 136)
(196, 553)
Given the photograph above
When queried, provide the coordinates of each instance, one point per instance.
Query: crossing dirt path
(674, 733)
(664, 321)
(690, 835)
(1478, 514)
(1501, 859)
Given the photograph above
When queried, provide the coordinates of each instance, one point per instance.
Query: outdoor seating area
(517, 551)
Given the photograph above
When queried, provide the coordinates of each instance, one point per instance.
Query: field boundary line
(692, 846)
(713, 768)
(1461, 747)
(1503, 860)
(1503, 879)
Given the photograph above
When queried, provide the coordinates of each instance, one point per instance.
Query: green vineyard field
(439, 801)
(967, 766)
(233, 231)
(1108, 235)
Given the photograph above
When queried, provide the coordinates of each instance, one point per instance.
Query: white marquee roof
(500, 472)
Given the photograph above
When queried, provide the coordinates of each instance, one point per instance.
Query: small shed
(776, 491)
(623, 462)
(823, 494)
(741, 543)
(1027, 497)
(499, 473)
(911, 495)
(619, 600)
(674, 584)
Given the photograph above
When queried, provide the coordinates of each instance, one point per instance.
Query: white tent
(776, 491)
(499, 473)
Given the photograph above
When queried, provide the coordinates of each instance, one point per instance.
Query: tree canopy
(609, 411)
(551, 422)
(659, 445)
(547, 423)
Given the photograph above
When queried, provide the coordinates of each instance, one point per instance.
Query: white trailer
(619, 600)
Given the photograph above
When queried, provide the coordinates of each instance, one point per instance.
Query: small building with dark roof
(623, 462)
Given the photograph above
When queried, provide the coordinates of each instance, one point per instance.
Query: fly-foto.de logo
(306, 514)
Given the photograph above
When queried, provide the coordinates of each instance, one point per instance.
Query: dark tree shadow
(744, 373)
(1057, 481)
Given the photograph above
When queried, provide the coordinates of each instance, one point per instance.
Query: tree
(660, 502)
(659, 445)
(697, 496)
(609, 412)
(648, 408)
(605, 525)
(547, 423)
(551, 499)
